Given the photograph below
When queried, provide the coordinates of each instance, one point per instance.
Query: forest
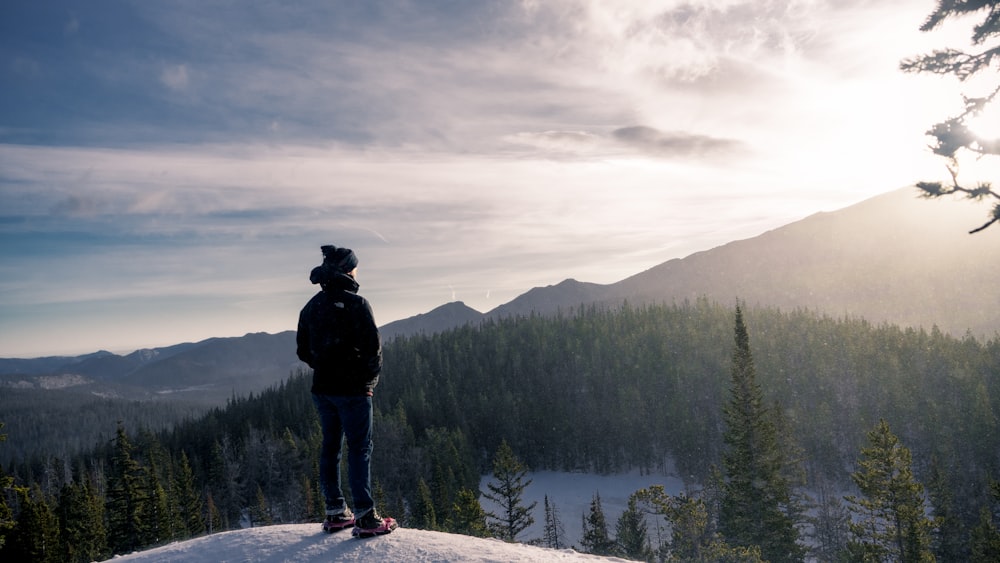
(596, 389)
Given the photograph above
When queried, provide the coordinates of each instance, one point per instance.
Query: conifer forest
(798, 436)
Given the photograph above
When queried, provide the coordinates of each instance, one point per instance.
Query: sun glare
(986, 125)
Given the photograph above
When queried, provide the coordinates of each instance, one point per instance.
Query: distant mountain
(46, 365)
(221, 365)
(553, 298)
(449, 315)
(895, 258)
(206, 372)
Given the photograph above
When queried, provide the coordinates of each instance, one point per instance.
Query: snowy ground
(305, 543)
(570, 493)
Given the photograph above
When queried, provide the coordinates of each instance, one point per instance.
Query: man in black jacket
(338, 338)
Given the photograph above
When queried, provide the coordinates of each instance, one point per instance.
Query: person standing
(337, 337)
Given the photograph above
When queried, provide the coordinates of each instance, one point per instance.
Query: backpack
(332, 335)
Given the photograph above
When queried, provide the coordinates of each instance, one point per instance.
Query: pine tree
(6, 485)
(212, 517)
(954, 135)
(829, 527)
(756, 495)
(450, 468)
(891, 523)
(36, 535)
(632, 533)
(155, 511)
(188, 500)
(224, 474)
(260, 512)
(595, 530)
(553, 532)
(312, 505)
(506, 490)
(691, 540)
(81, 523)
(467, 515)
(123, 497)
(947, 535)
(424, 516)
(985, 537)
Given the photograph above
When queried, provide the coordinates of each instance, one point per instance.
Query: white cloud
(175, 77)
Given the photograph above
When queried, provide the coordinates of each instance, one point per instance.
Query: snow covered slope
(305, 543)
(570, 493)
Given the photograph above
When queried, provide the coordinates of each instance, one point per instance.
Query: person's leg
(357, 420)
(330, 453)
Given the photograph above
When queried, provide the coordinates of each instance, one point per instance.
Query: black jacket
(338, 338)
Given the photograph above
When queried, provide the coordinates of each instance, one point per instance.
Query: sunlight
(986, 125)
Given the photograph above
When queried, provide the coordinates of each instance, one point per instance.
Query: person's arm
(302, 349)
(371, 344)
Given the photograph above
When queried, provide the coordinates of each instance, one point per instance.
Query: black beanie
(341, 259)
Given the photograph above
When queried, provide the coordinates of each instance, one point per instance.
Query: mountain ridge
(894, 258)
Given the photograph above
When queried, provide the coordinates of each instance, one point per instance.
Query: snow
(571, 494)
(306, 543)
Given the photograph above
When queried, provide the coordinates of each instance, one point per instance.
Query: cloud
(675, 144)
(72, 26)
(633, 140)
(564, 142)
(175, 77)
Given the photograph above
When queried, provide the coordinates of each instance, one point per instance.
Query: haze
(169, 170)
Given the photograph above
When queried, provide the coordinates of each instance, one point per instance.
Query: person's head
(335, 261)
(342, 260)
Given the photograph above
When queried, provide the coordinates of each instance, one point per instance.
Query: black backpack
(333, 334)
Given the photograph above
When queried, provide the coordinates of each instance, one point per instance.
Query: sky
(169, 170)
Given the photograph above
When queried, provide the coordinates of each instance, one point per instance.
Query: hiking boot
(371, 524)
(338, 521)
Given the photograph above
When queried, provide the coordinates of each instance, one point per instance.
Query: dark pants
(350, 417)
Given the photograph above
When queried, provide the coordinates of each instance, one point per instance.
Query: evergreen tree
(954, 135)
(467, 515)
(381, 498)
(756, 494)
(81, 523)
(829, 527)
(506, 490)
(595, 530)
(224, 475)
(985, 537)
(312, 503)
(260, 512)
(553, 532)
(213, 518)
(450, 468)
(691, 540)
(424, 516)
(6, 486)
(123, 497)
(188, 500)
(157, 516)
(36, 535)
(947, 535)
(632, 533)
(891, 524)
